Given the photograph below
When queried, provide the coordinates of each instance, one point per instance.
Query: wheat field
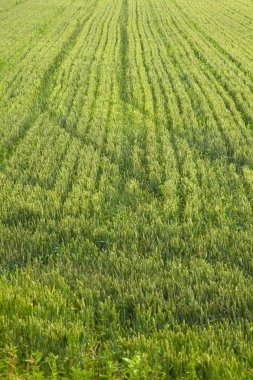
(126, 189)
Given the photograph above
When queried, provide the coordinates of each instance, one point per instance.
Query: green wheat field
(126, 189)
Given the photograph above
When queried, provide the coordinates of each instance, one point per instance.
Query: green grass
(126, 189)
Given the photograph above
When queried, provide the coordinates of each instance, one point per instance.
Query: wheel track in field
(99, 72)
(61, 119)
(128, 102)
(153, 119)
(229, 144)
(124, 52)
(83, 136)
(199, 56)
(156, 88)
(102, 148)
(173, 138)
(173, 91)
(226, 13)
(224, 55)
(149, 86)
(177, 62)
(53, 68)
(40, 104)
(230, 159)
(169, 124)
(138, 42)
(221, 130)
(84, 139)
(126, 98)
(16, 80)
(238, 169)
(247, 119)
(204, 36)
(152, 85)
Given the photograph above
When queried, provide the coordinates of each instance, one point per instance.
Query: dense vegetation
(126, 189)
